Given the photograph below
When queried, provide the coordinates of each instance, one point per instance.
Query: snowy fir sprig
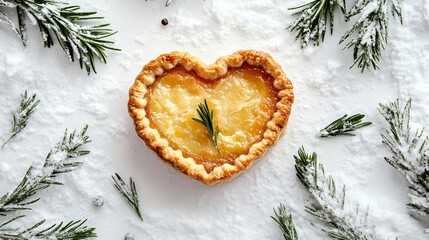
(129, 192)
(285, 222)
(312, 20)
(344, 126)
(368, 36)
(330, 202)
(59, 160)
(73, 230)
(21, 116)
(409, 152)
(56, 19)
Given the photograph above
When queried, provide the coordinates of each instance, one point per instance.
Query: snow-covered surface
(173, 206)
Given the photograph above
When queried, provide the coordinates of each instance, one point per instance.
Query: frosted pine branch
(129, 192)
(285, 222)
(409, 152)
(368, 36)
(341, 222)
(73, 230)
(59, 160)
(20, 117)
(64, 22)
(312, 20)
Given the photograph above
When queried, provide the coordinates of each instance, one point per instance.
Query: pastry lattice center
(243, 101)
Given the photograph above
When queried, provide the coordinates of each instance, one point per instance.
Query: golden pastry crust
(187, 165)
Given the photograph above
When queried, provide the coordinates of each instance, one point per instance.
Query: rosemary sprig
(206, 119)
(344, 126)
(409, 153)
(340, 222)
(55, 18)
(73, 230)
(58, 161)
(311, 20)
(285, 222)
(20, 117)
(130, 193)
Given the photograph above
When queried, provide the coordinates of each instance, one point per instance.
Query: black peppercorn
(164, 21)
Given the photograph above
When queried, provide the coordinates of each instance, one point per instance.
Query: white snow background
(173, 206)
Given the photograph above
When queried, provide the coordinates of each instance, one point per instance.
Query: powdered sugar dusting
(175, 207)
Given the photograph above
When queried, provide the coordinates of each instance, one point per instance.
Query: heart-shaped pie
(211, 121)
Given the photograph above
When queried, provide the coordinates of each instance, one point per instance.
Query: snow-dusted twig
(344, 126)
(20, 117)
(285, 222)
(58, 161)
(410, 152)
(341, 222)
(370, 31)
(312, 19)
(73, 230)
(130, 193)
(62, 21)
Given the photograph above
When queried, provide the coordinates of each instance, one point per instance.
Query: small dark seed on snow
(164, 21)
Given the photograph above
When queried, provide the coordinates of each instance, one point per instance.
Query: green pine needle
(312, 19)
(206, 119)
(130, 193)
(285, 222)
(344, 126)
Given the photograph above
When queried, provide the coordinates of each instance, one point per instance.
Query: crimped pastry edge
(152, 138)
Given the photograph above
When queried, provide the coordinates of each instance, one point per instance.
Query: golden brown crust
(152, 138)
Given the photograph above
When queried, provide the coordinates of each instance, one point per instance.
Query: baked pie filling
(243, 101)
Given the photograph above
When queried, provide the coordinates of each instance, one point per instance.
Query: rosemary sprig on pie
(206, 120)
